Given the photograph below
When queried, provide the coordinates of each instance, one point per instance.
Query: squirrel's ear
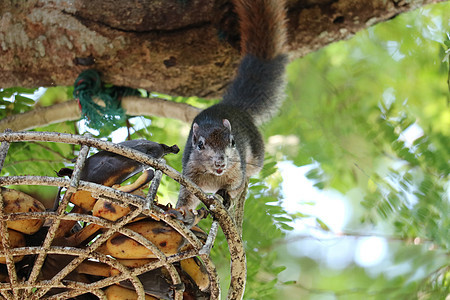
(195, 128)
(227, 124)
(195, 131)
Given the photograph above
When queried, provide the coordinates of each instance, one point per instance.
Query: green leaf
(322, 225)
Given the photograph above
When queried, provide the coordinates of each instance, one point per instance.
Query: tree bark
(175, 47)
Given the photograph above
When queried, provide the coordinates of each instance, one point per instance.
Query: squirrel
(224, 147)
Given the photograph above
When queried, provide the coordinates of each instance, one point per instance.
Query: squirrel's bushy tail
(262, 26)
(259, 85)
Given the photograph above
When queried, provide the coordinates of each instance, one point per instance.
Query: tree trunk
(175, 47)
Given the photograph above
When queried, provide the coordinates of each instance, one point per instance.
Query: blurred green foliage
(15, 101)
(371, 117)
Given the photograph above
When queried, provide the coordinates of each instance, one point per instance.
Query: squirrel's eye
(200, 145)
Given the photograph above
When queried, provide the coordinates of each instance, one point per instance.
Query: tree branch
(174, 47)
(69, 111)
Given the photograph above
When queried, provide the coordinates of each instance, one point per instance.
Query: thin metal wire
(151, 195)
(4, 230)
(4, 147)
(11, 267)
(204, 254)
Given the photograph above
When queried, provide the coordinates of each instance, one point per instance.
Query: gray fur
(253, 97)
(259, 87)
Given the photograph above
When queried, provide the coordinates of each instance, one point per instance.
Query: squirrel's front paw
(189, 217)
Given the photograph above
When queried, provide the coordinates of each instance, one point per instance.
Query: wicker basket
(32, 285)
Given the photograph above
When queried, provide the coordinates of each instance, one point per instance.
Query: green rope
(89, 86)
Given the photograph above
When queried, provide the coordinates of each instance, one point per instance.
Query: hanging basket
(46, 268)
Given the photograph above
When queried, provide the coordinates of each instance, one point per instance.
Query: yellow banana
(197, 271)
(115, 292)
(83, 199)
(135, 263)
(16, 240)
(167, 239)
(96, 268)
(109, 210)
(16, 201)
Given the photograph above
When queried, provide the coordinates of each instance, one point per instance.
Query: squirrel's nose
(220, 162)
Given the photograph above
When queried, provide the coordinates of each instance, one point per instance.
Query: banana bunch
(110, 169)
(132, 254)
(157, 283)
